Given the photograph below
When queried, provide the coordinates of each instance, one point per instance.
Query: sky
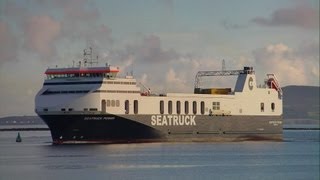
(164, 43)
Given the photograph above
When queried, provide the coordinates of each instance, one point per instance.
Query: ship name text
(98, 118)
(275, 123)
(173, 120)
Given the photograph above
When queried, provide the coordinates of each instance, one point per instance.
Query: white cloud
(175, 82)
(40, 32)
(165, 60)
(278, 49)
(144, 78)
(290, 67)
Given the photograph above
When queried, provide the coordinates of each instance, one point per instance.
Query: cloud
(37, 31)
(146, 51)
(302, 16)
(287, 64)
(81, 25)
(144, 78)
(40, 33)
(44, 31)
(101, 34)
(79, 18)
(150, 51)
(179, 75)
(58, 30)
(174, 81)
(9, 44)
(80, 10)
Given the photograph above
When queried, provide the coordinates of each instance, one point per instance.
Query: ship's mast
(87, 57)
(223, 68)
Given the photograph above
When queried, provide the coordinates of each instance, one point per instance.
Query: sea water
(297, 157)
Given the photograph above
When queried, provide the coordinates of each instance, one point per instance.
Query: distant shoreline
(24, 129)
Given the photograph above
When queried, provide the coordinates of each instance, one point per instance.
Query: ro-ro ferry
(87, 104)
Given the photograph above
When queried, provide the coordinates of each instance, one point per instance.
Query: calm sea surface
(35, 158)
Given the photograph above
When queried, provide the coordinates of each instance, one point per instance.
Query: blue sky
(162, 41)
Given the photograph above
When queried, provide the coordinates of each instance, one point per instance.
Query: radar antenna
(223, 68)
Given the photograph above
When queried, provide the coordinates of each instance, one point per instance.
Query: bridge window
(262, 107)
(194, 106)
(178, 107)
(216, 105)
(170, 107)
(48, 92)
(117, 103)
(186, 107)
(202, 107)
(113, 103)
(273, 106)
(126, 106)
(161, 107)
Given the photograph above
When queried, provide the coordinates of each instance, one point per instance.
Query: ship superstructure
(93, 105)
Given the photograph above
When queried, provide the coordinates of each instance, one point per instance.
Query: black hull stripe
(74, 129)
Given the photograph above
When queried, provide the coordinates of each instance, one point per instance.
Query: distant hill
(301, 102)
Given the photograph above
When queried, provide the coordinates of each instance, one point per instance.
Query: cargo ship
(92, 104)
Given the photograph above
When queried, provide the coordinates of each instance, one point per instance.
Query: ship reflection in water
(297, 157)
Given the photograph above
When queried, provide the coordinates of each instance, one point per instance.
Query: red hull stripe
(82, 71)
